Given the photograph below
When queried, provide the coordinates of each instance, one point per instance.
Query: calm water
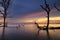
(28, 32)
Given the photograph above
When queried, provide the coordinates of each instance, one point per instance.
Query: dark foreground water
(28, 32)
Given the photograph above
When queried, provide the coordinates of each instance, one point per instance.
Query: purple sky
(20, 8)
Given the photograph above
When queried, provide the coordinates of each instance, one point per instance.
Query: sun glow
(44, 20)
(40, 20)
(1, 20)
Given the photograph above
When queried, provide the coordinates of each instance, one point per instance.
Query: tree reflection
(36, 36)
(3, 34)
(47, 31)
(39, 38)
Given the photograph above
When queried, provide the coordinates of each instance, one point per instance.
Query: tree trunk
(47, 20)
(4, 21)
(4, 18)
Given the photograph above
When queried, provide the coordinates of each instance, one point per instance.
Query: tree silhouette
(56, 7)
(5, 4)
(47, 9)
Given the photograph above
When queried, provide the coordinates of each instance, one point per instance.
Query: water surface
(28, 32)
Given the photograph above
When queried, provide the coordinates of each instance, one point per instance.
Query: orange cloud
(1, 20)
(52, 20)
(36, 14)
(40, 20)
(40, 17)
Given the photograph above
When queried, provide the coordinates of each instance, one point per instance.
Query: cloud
(2, 9)
(31, 17)
(42, 14)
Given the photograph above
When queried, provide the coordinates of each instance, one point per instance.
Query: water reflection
(48, 36)
(28, 32)
(36, 38)
(3, 34)
(39, 37)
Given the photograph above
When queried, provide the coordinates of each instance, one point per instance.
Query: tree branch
(0, 2)
(7, 5)
(56, 7)
(43, 8)
(1, 13)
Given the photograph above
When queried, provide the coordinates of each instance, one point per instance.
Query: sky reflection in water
(28, 32)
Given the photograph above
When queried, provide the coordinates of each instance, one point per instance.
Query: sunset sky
(30, 11)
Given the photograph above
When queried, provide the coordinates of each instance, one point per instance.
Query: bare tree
(5, 4)
(56, 7)
(47, 9)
